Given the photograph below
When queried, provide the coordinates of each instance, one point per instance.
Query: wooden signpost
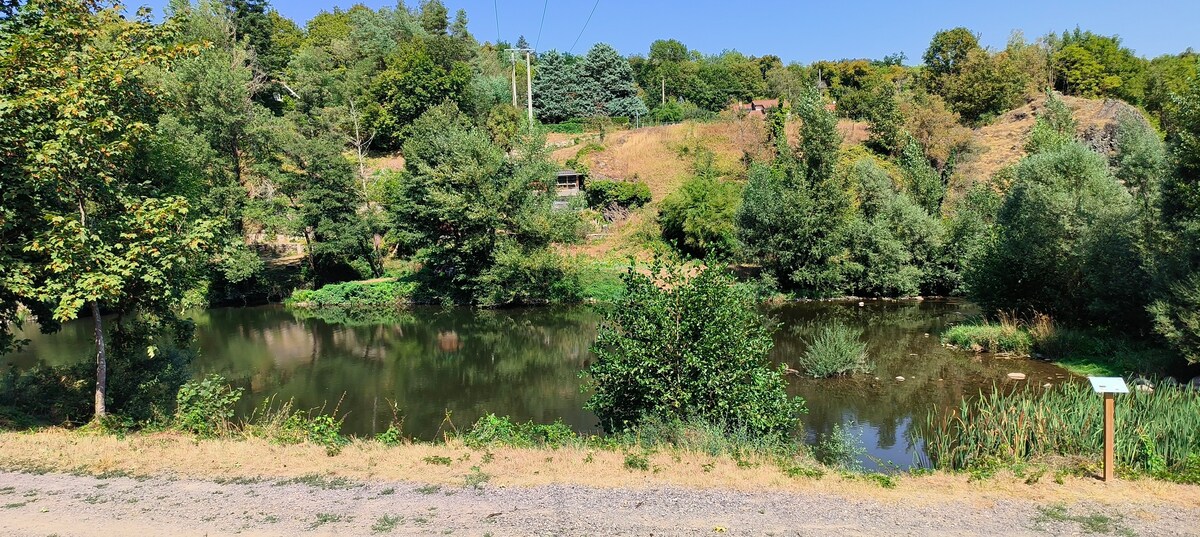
(1109, 387)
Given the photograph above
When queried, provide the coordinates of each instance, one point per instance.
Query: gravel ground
(57, 504)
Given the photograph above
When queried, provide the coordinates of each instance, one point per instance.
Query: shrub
(699, 218)
(378, 294)
(836, 350)
(501, 430)
(205, 407)
(604, 193)
(678, 347)
(532, 276)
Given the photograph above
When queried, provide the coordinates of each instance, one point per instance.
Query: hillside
(1002, 142)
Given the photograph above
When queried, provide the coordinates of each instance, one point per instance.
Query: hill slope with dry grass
(1002, 143)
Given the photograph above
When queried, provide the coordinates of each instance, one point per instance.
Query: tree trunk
(101, 362)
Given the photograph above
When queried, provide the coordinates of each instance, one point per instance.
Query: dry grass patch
(234, 461)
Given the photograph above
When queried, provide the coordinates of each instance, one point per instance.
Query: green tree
(948, 52)
(795, 214)
(1092, 65)
(608, 85)
(679, 348)
(1062, 206)
(101, 234)
(461, 201)
(412, 83)
(1054, 128)
(1176, 316)
(699, 218)
(557, 88)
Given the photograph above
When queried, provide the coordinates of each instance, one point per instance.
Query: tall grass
(1157, 433)
(837, 349)
(1006, 335)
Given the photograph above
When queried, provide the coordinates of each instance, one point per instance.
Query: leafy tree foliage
(461, 202)
(795, 214)
(103, 228)
(1091, 65)
(1062, 204)
(679, 348)
(699, 217)
(412, 84)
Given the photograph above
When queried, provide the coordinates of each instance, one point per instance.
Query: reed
(1157, 433)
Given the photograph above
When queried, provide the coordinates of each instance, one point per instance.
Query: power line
(496, 6)
(538, 41)
(585, 25)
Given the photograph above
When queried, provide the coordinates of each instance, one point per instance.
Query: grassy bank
(591, 281)
(1158, 433)
(1081, 351)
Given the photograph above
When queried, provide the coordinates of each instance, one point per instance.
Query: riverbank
(177, 484)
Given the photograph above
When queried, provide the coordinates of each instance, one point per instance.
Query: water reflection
(525, 363)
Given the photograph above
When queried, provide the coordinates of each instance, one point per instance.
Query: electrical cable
(585, 25)
(538, 41)
(496, 6)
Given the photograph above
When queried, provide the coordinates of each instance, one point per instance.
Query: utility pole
(513, 57)
(529, 86)
(528, 79)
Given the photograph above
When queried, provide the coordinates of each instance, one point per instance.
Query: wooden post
(529, 87)
(1109, 436)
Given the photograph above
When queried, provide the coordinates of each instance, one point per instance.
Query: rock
(1016, 376)
(1047, 385)
(1142, 381)
(901, 379)
(1194, 383)
(1144, 388)
(861, 304)
(1169, 381)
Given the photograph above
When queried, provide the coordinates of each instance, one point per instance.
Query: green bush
(687, 348)
(535, 276)
(604, 193)
(573, 126)
(837, 349)
(205, 407)
(699, 218)
(391, 294)
(492, 430)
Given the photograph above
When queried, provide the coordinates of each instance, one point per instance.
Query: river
(444, 368)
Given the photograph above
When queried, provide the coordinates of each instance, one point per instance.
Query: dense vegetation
(149, 167)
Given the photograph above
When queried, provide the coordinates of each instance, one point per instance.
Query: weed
(387, 492)
(205, 407)
(1090, 523)
(386, 523)
(429, 489)
(318, 481)
(15, 505)
(437, 460)
(887, 481)
(324, 518)
(637, 461)
(796, 471)
(488, 456)
(836, 350)
(588, 459)
(476, 478)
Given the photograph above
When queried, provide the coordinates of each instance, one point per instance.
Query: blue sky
(804, 30)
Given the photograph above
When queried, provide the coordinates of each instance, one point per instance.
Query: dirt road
(67, 505)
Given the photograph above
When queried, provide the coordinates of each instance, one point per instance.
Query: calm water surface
(432, 363)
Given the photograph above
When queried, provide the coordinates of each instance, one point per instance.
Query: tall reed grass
(1156, 433)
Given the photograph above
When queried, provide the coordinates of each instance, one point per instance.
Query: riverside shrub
(205, 407)
(675, 347)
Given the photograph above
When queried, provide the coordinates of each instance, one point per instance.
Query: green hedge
(603, 193)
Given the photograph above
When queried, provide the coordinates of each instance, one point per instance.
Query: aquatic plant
(1157, 433)
(837, 349)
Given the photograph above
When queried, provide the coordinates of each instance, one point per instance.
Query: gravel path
(56, 504)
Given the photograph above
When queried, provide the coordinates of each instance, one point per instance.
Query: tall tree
(609, 88)
(76, 119)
